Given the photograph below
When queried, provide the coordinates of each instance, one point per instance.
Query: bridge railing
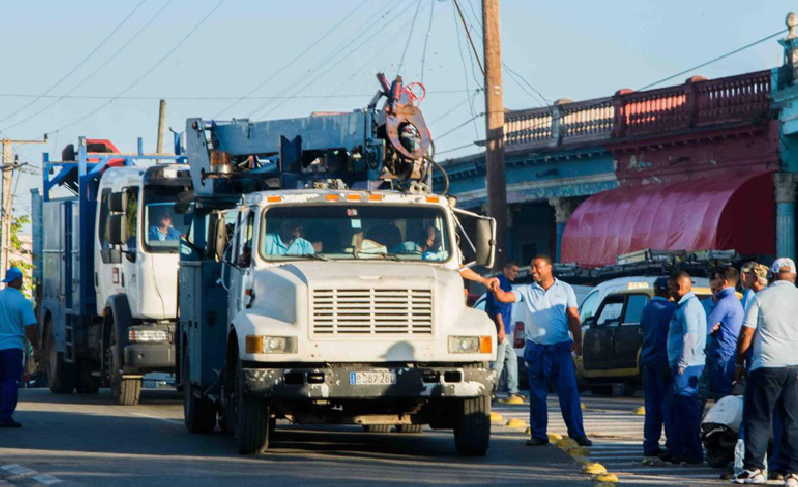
(742, 98)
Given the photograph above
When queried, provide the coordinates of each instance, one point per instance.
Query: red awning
(734, 212)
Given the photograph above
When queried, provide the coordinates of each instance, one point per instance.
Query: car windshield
(338, 232)
(163, 226)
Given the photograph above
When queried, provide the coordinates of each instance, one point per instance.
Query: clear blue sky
(576, 49)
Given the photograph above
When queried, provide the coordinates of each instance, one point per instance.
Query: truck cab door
(240, 262)
(597, 347)
(629, 334)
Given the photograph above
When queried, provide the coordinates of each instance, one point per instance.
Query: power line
(426, 40)
(454, 149)
(81, 63)
(452, 109)
(206, 98)
(535, 91)
(714, 60)
(299, 56)
(468, 34)
(453, 129)
(148, 71)
(465, 73)
(409, 38)
(99, 68)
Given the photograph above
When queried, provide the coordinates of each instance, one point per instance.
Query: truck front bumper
(354, 382)
(149, 357)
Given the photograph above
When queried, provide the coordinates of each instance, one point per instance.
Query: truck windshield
(163, 226)
(337, 232)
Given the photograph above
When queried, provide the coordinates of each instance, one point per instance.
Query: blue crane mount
(372, 148)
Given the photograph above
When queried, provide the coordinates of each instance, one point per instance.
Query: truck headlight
(471, 344)
(137, 335)
(270, 344)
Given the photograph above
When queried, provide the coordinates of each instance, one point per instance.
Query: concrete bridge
(709, 163)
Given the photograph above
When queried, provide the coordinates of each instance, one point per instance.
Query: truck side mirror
(117, 229)
(485, 242)
(117, 202)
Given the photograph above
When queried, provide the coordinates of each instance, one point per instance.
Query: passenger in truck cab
(164, 230)
(289, 241)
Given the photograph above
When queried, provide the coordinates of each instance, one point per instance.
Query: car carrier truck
(320, 283)
(106, 242)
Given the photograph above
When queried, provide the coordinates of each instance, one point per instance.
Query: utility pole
(161, 127)
(495, 182)
(7, 209)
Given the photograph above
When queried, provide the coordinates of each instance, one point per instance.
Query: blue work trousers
(552, 364)
(720, 371)
(10, 375)
(658, 396)
(686, 412)
(506, 360)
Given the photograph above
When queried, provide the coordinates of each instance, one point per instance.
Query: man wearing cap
(654, 322)
(773, 378)
(17, 321)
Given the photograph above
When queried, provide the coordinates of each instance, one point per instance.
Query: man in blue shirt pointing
(17, 321)
(724, 322)
(553, 311)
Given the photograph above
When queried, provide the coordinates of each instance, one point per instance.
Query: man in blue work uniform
(17, 321)
(654, 322)
(724, 324)
(687, 335)
(553, 310)
(501, 314)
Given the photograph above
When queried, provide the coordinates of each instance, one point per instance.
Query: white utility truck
(320, 280)
(106, 260)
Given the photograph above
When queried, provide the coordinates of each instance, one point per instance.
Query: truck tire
(377, 428)
(60, 373)
(126, 391)
(199, 414)
(472, 427)
(253, 425)
(409, 428)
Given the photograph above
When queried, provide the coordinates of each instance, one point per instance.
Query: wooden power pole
(495, 182)
(6, 212)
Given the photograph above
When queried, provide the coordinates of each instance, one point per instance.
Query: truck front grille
(372, 311)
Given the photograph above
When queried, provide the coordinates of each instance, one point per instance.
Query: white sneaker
(791, 480)
(751, 477)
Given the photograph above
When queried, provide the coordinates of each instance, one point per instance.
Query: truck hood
(361, 274)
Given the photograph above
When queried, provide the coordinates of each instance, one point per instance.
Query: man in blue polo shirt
(724, 322)
(553, 311)
(501, 314)
(687, 337)
(654, 322)
(17, 321)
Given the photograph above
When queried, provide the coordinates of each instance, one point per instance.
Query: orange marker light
(353, 197)
(256, 343)
(274, 199)
(331, 197)
(433, 199)
(375, 197)
(485, 344)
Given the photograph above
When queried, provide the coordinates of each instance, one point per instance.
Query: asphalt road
(85, 440)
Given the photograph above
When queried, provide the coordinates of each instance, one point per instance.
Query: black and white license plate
(372, 378)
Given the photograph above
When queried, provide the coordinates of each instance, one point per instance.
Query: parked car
(612, 337)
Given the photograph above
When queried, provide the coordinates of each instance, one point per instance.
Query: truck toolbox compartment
(144, 357)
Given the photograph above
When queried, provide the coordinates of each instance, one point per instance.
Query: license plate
(382, 378)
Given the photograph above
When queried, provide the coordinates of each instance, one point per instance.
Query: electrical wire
(481, 114)
(293, 61)
(80, 63)
(409, 37)
(714, 60)
(452, 109)
(211, 98)
(455, 149)
(149, 71)
(426, 40)
(468, 34)
(515, 76)
(465, 74)
(99, 68)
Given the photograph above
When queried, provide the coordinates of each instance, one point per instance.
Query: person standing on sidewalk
(687, 335)
(553, 311)
(501, 314)
(17, 320)
(655, 322)
(770, 325)
(724, 324)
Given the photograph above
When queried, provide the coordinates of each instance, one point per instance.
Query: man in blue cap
(17, 320)
(654, 322)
